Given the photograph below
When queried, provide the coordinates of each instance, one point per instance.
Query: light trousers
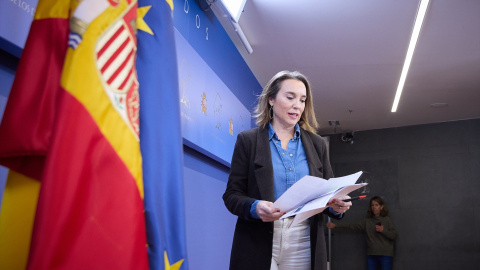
(291, 246)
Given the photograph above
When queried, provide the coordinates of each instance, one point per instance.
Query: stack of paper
(310, 195)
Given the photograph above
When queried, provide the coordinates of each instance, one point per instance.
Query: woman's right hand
(267, 213)
(331, 225)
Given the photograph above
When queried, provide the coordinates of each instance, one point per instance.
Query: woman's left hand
(339, 205)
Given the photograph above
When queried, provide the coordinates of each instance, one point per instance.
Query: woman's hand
(339, 206)
(267, 213)
(379, 228)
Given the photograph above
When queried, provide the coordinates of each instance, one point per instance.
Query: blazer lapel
(263, 166)
(314, 163)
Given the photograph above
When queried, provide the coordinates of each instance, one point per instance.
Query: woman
(380, 233)
(268, 160)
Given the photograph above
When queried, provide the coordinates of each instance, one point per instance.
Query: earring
(271, 112)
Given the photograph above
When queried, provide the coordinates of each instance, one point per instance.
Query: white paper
(310, 195)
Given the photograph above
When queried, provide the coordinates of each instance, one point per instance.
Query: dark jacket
(250, 179)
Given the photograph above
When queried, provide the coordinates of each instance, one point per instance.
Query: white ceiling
(353, 51)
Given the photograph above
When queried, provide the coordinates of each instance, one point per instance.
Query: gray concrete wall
(429, 176)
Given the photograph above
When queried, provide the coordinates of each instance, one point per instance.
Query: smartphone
(379, 223)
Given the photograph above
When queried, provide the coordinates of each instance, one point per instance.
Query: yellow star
(170, 2)
(141, 24)
(175, 266)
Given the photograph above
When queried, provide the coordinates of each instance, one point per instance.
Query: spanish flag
(72, 124)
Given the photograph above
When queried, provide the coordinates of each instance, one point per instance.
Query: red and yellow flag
(71, 123)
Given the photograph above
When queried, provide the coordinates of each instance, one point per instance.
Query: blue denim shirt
(289, 165)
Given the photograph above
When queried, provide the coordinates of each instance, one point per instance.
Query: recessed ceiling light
(422, 10)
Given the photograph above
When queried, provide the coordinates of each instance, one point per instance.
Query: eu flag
(160, 135)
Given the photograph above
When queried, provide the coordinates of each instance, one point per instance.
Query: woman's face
(289, 103)
(376, 208)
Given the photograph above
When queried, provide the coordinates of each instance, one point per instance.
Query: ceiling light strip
(422, 10)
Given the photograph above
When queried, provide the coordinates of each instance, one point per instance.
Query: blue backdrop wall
(209, 225)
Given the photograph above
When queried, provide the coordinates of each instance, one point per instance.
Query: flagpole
(329, 246)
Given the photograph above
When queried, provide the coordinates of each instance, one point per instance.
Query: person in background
(380, 234)
(268, 160)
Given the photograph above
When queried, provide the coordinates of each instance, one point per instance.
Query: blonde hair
(263, 112)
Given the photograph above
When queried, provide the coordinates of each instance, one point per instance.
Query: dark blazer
(250, 179)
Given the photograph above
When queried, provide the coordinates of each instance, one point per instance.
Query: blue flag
(160, 136)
